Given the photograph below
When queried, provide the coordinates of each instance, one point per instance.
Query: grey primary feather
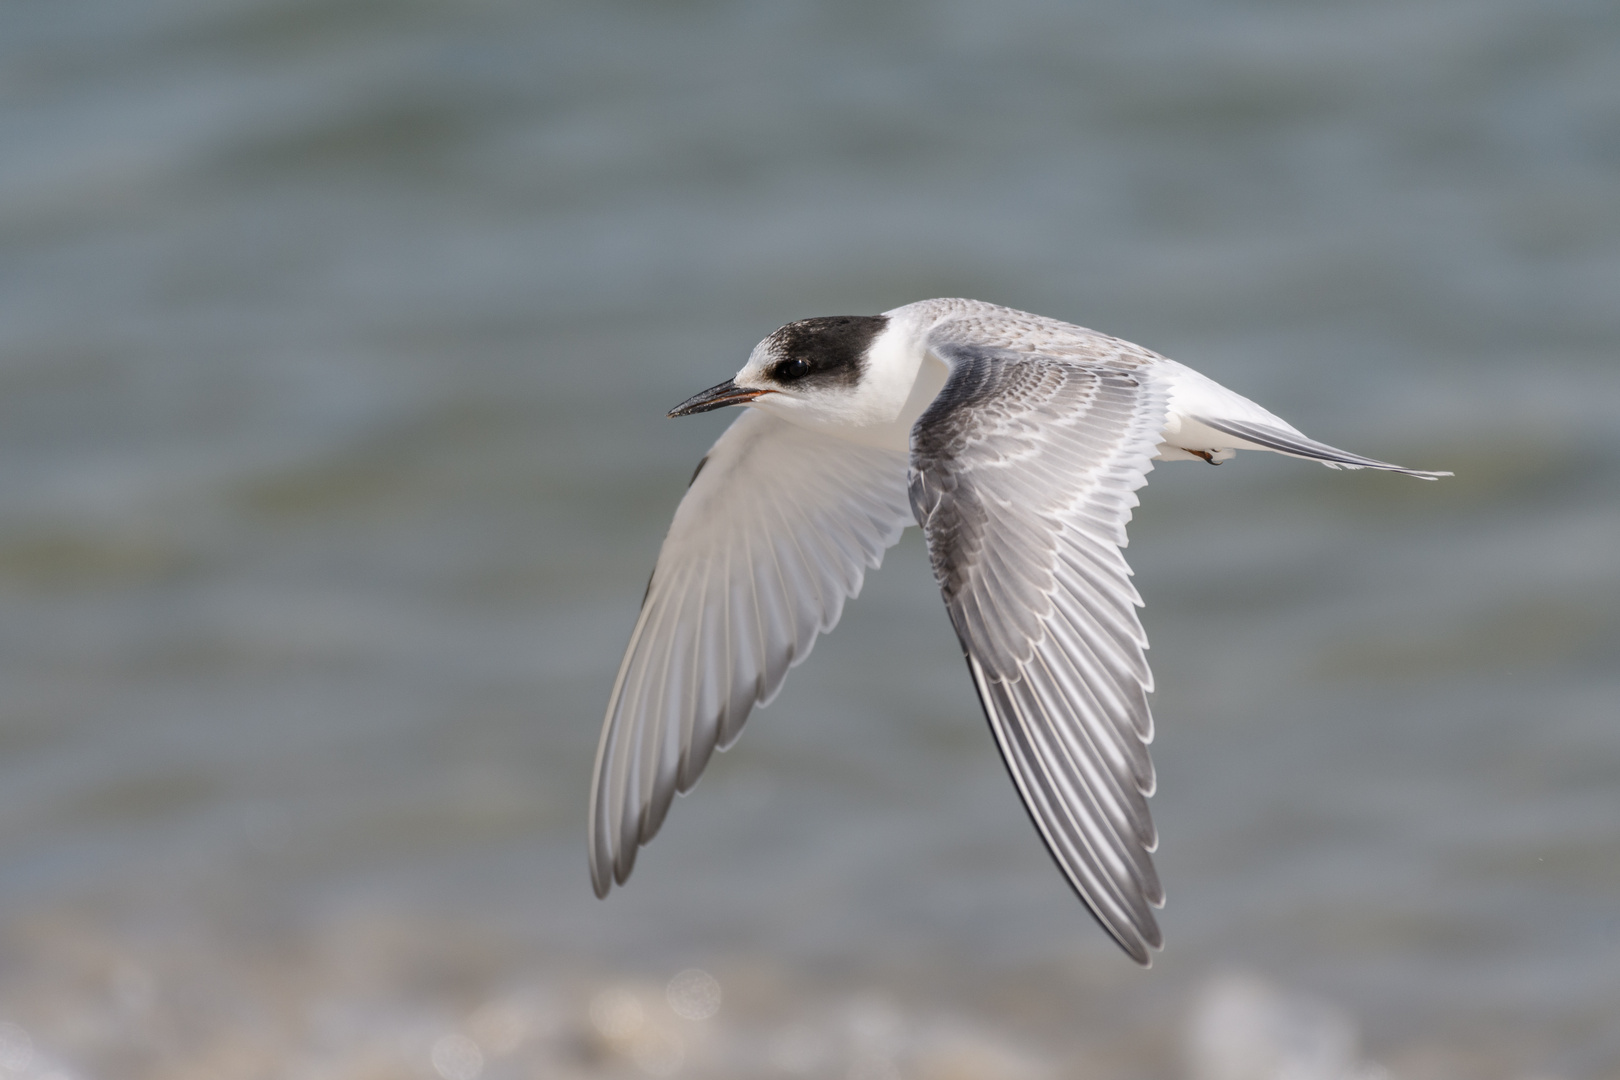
(1023, 473)
(776, 530)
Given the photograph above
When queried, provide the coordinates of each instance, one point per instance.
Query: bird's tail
(1292, 443)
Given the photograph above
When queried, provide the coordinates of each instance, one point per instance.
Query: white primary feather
(776, 530)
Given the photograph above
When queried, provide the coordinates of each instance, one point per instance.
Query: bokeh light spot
(694, 994)
(617, 1013)
(16, 1048)
(456, 1057)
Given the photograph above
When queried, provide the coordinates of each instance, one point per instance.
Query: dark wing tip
(601, 873)
(1140, 947)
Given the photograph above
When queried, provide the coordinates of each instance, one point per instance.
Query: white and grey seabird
(1017, 442)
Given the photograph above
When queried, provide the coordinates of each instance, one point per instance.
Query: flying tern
(1017, 442)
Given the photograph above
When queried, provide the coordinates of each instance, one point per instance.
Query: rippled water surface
(335, 340)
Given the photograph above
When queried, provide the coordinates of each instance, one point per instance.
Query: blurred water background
(335, 340)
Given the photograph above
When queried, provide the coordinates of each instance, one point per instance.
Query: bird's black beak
(715, 397)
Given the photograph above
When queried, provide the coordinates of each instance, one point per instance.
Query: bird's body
(1017, 443)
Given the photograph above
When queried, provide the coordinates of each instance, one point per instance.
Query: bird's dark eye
(788, 370)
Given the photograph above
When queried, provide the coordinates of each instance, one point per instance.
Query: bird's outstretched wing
(775, 532)
(1022, 475)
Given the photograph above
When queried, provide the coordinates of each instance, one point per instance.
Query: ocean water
(335, 341)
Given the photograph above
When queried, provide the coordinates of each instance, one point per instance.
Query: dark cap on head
(828, 351)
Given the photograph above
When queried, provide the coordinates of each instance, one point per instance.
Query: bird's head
(815, 370)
